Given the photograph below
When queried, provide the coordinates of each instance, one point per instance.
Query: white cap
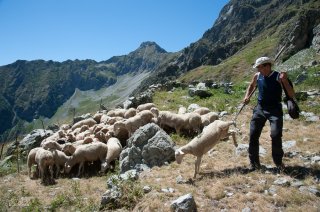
(262, 60)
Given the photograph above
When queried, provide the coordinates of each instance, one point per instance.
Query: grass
(221, 184)
(237, 67)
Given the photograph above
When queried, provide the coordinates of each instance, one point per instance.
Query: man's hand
(283, 76)
(246, 100)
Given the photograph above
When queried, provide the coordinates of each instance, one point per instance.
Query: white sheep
(201, 144)
(69, 148)
(187, 121)
(170, 119)
(155, 111)
(146, 106)
(89, 122)
(60, 158)
(97, 117)
(89, 152)
(52, 145)
(114, 150)
(117, 112)
(44, 160)
(193, 122)
(84, 134)
(131, 112)
(65, 127)
(110, 120)
(103, 137)
(31, 160)
(54, 137)
(208, 118)
(202, 110)
(132, 124)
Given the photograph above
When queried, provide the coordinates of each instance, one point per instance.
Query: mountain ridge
(30, 89)
(244, 24)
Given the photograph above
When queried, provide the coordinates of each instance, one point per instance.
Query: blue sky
(99, 29)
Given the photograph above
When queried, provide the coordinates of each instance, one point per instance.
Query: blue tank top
(270, 90)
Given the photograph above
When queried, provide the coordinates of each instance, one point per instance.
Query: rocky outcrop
(316, 38)
(302, 33)
(150, 146)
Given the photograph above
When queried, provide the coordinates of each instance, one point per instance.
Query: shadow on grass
(297, 172)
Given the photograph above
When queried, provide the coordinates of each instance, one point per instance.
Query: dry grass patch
(223, 182)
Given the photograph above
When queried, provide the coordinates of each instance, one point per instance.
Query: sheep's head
(155, 111)
(68, 149)
(50, 145)
(179, 155)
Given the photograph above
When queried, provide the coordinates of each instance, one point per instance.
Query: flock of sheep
(102, 138)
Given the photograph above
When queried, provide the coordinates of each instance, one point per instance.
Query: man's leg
(256, 125)
(276, 125)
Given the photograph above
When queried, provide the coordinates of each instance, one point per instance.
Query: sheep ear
(181, 153)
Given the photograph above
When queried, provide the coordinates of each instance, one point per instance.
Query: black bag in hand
(293, 108)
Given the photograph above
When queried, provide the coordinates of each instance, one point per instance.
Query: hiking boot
(254, 167)
(280, 168)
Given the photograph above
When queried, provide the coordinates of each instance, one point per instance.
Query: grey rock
(272, 190)
(167, 190)
(297, 183)
(202, 93)
(282, 182)
(242, 149)
(130, 175)
(127, 104)
(113, 181)
(315, 159)
(288, 144)
(184, 203)
(223, 113)
(313, 119)
(310, 189)
(146, 189)
(246, 209)
(180, 180)
(192, 107)
(111, 196)
(30, 141)
(149, 145)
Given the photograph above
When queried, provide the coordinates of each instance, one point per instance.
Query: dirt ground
(224, 182)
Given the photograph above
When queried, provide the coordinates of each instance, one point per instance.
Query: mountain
(244, 30)
(30, 89)
(247, 24)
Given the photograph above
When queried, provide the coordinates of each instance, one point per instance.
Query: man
(269, 107)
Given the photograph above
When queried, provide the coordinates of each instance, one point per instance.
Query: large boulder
(30, 141)
(149, 145)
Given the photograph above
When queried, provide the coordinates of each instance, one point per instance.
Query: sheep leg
(197, 166)
(58, 170)
(178, 130)
(41, 172)
(233, 134)
(29, 171)
(80, 168)
(51, 172)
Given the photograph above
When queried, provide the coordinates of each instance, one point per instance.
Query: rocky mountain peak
(151, 46)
